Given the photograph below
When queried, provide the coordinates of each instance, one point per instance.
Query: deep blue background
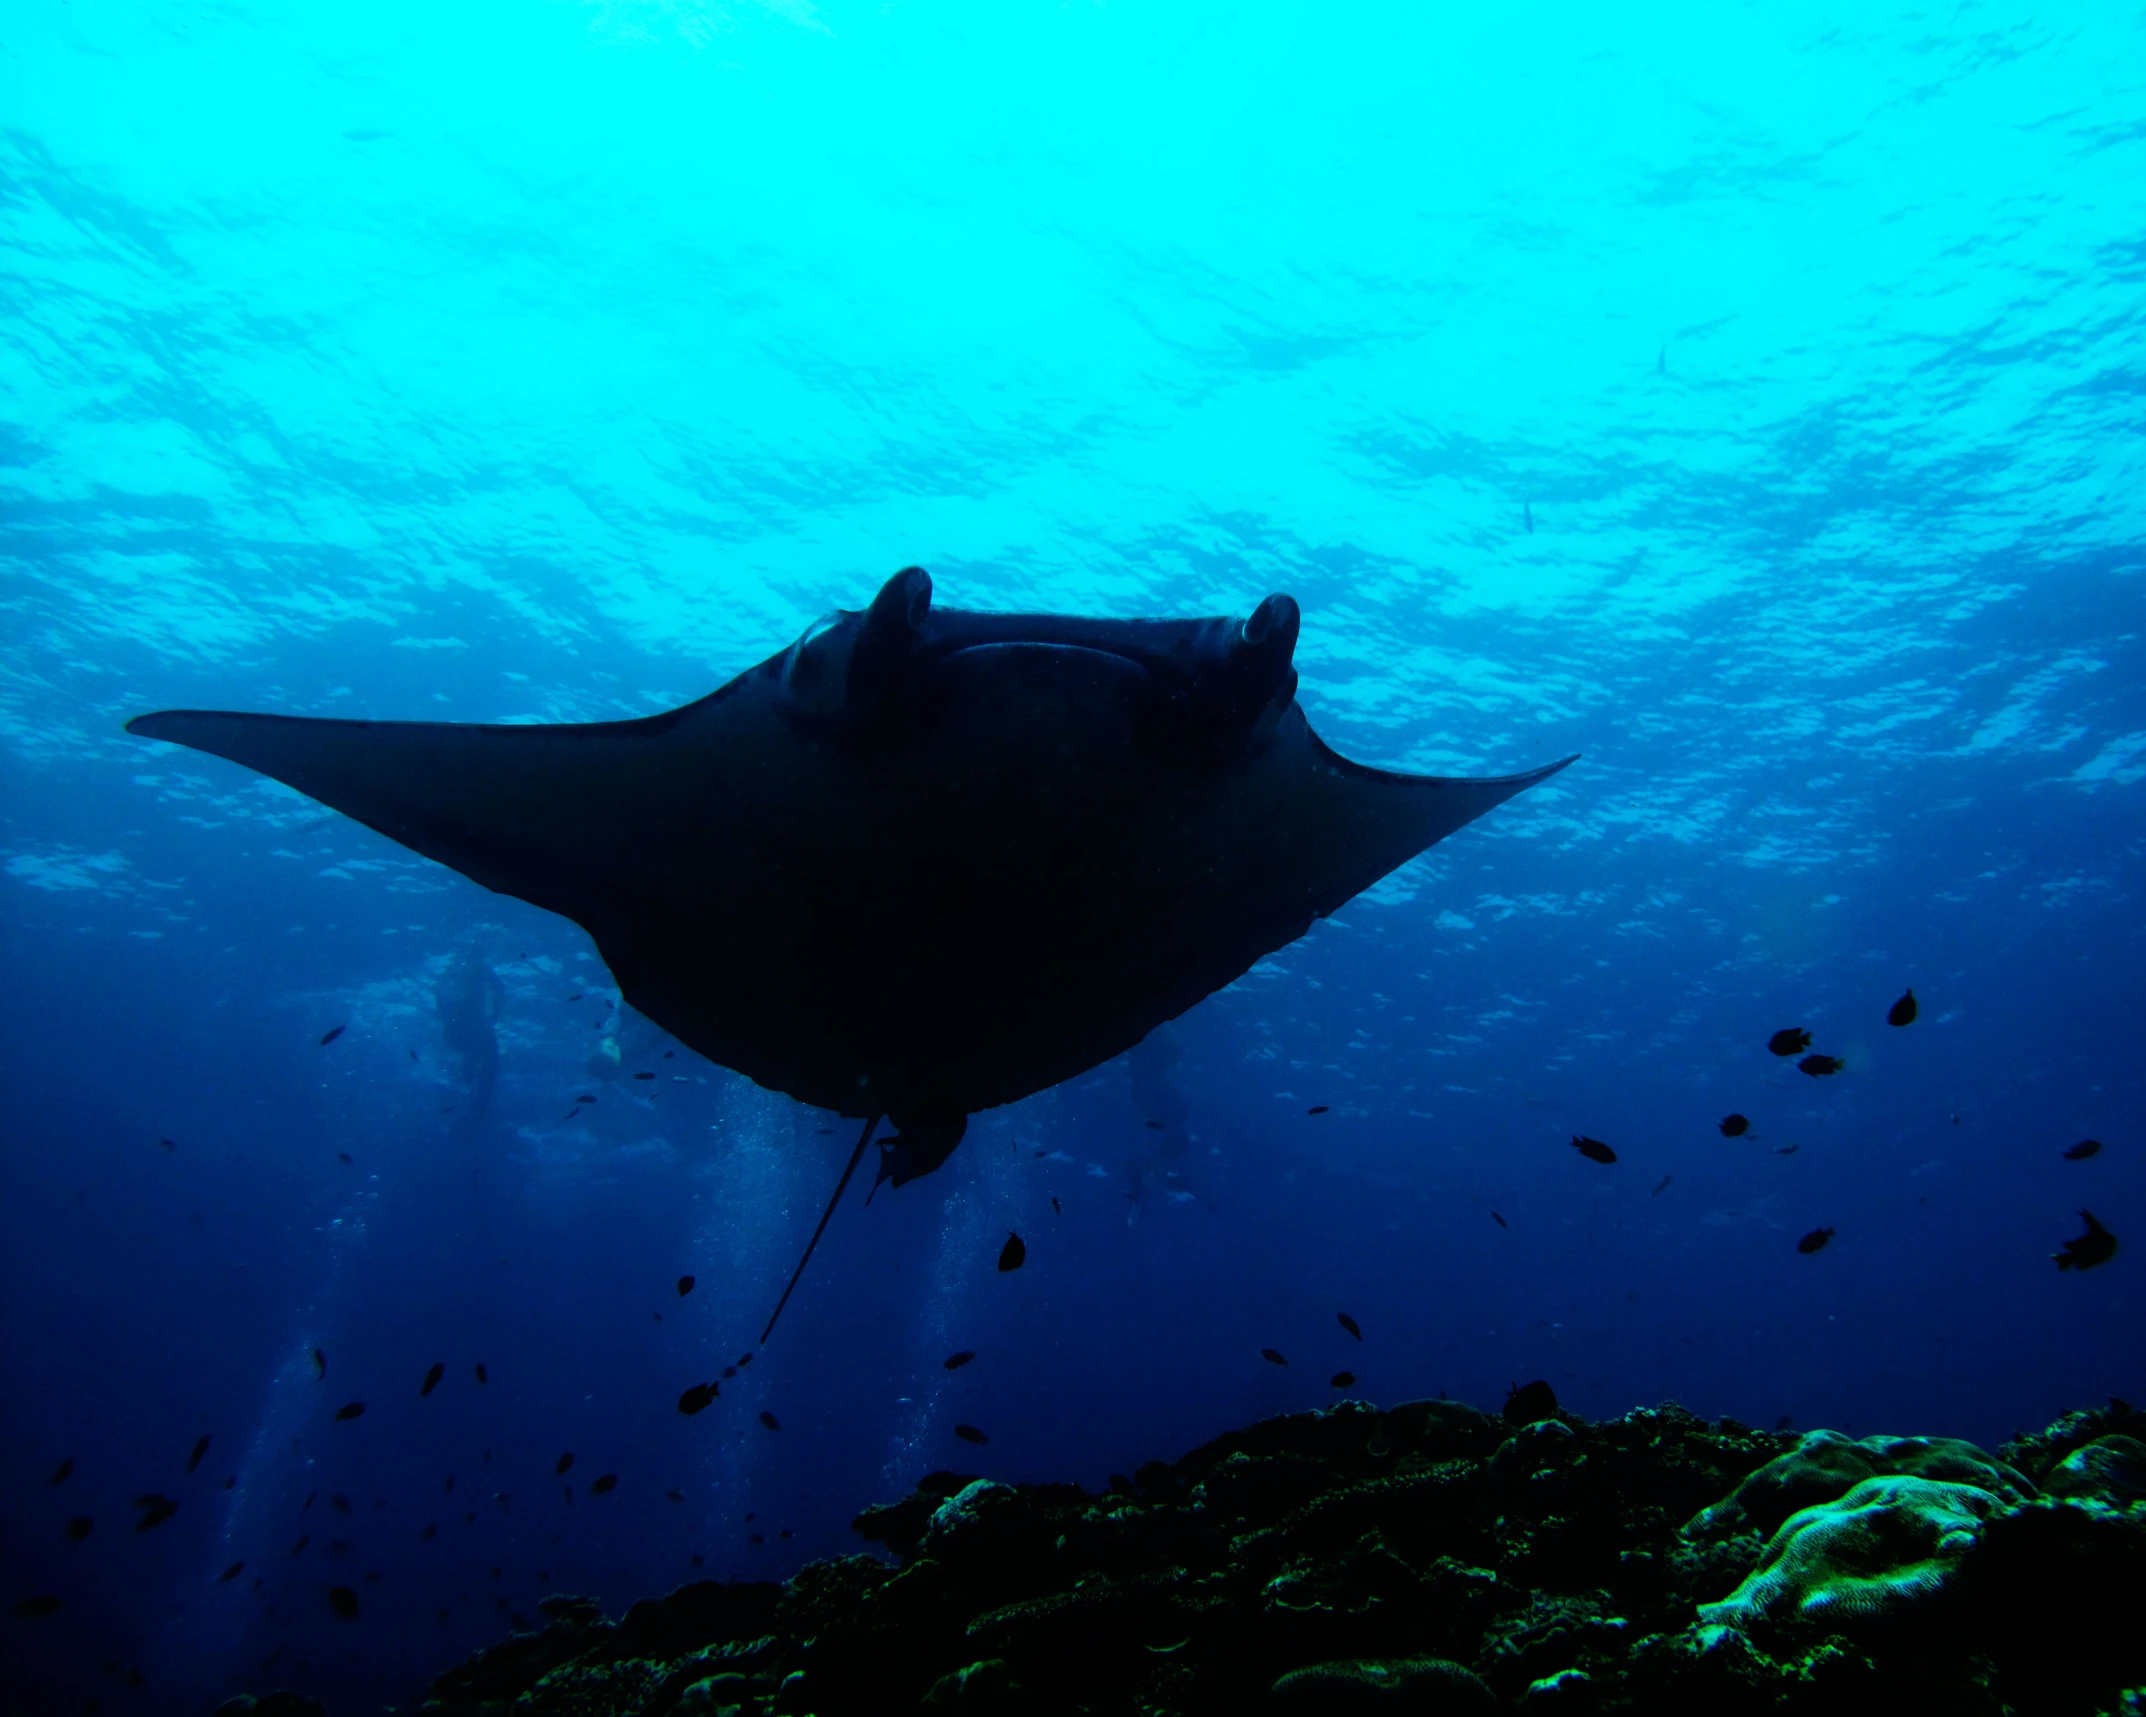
(558, 360)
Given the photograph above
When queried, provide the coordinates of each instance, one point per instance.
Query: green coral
(2110, 1467)
(1826, 1466)
(1890, 1546)
(1421, 1686)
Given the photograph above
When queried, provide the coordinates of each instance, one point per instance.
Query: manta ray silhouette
(921, 863)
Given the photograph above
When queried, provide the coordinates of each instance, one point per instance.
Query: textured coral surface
(1428, 1559)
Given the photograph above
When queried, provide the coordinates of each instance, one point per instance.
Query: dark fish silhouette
(729, 1371)
(344, 1602)
(1342, 1379)
(79, 1528)
(1594, 1150)
(341, 1504)
(30, 1609)
(1056, 1207)
(1013, 1254)
(155, 1511)
(696, 1398)
(351, 1410)
(675, 1495)
(231, 1573)
(560, 1466)
(970, 1434)
(1319, 1109)
(432, 1377)
(343, 1157)
(1157, 1125)
(1786, 1150)
(1820, 1066)
(1271, 1357)
(770, 1421)
(1815, 1241)
(1662, 1187)
(1348, 1323)
(1527, 1402)
(1499, 1220)
(685, 1286)
(1527, 517)
(1045, 834)
(2082, 1150)
(1903, 1011)
(331, 1034)
(644, 1076)
(64, 1471)
(1734, 1126)
(320, 1365)
(200, 1448)
(955, 1361)
(170, 1145)
(1790, 1040)
(2096, 1246)
(479, 1373)
(603, 1484)
(745, 1359)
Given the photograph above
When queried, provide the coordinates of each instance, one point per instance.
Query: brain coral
(1890, 1546)
(1826, 1465)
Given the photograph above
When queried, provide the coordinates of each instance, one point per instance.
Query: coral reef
(1429, 1560)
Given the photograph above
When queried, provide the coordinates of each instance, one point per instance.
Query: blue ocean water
(1745, 398)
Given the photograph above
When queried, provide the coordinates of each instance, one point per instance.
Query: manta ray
(921, 863)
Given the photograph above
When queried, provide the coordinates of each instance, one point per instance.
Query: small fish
(585, 1099)
(955, 1361)
(1663, 1187)
(344, 1602)
(308, 1503)
(1786, 1150)
(1594, 1150)
(64, 1471)
(1527, 517)
(29, 1609)
(745, 1359)
(320, 1365)
(201, 1448)
(231, 1573)
(644, 1076)
(2082, 1150)
(603, 1484)
(448, 1489)
(343, 1157)
(1319, 1109)
(79, 1528)
(331, 1034)
(770, 1421)
(1790, 1040)
(1056, 1208)
(171, 1145)
(1157, 1125)
(970, 1434)
(1815, 1241)
(560, 1466)
(304, 1538)
(1271, 1357)
(1525, 1403)
(2096, 1246)
(341, 1504)
(1499, 1220)
(1342, 1379)
(1903, 1011)
(1013, 1254)
(696, 1398)
(351, 1410)
(685, 1286)
(432, 1377)
(1348, 1323)
(479, 1371)
(729, 1371)
(675, 1495)
(156, 1510)
(1734, 1126)
(1820, 1066)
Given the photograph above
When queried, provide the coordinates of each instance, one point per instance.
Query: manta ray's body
(921, 863)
